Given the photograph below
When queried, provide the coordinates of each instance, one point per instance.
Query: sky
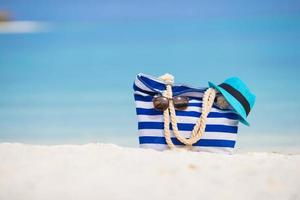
(73, 81)
(142, 9)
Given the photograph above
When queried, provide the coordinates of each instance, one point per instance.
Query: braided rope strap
(199, 128)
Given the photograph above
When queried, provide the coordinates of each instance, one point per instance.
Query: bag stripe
(148, 92)
(143, 98)
(161, 147)
(187, 134)
(188, 120)
(144, 111)
(188, 127)
(153, 84)
(202, 142)
(140, 97)
(140, 85)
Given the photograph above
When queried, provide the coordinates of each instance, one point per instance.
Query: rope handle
(199, 128)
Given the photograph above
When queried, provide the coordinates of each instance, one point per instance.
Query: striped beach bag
(173, 116)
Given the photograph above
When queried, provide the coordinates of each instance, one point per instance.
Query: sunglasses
(161, 103)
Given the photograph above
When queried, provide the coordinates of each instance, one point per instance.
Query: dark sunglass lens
(160, 103)
(180, 102)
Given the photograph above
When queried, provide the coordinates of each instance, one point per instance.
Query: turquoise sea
(72, 83)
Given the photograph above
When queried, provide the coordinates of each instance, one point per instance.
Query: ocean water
(72, 83)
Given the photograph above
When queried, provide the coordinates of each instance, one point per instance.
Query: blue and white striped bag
(221, 125)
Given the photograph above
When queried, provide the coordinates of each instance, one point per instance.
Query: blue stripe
(136, 88)
(144, 111)
(189, 127)
(202, 142)
(152, 111)
(143, 98)
(180, 88)
(151, 84)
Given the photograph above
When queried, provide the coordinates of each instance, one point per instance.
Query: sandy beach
(106, 171)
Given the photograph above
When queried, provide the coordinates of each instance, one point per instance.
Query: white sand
(104, 172)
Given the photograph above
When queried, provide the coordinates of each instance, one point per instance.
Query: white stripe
(187, 134)
(188, 120)
(150, 77)
(141, 85)
(162, 147)
(194, 101)
(149, 105)
(140, 93)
